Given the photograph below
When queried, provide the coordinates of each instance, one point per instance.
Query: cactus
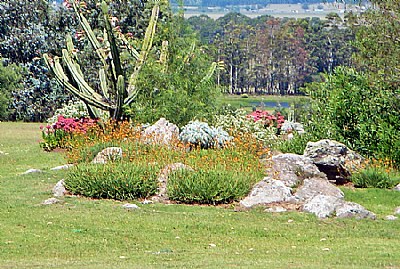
(115, 90)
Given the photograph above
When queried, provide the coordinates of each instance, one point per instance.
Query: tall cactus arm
(121, 91)
(56, 68)
(113, 43)
(77, 76)
(131, 50)
(164, 56)
(146, 47)
(103, 83)
(90, 34)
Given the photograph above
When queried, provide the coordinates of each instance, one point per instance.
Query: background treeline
(268, 55)
(223, 3)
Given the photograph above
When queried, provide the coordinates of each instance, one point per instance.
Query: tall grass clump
(208, 187)
(120, 181)
(376, 174)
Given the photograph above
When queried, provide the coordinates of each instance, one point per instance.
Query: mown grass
(85, 233)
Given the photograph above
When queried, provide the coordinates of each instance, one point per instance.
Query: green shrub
(117, 180)
(346, 108)
(295, 145)
(375, 177)
(208, 187)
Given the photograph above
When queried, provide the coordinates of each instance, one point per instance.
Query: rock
(108, 154)
(397, 188)
(317, 186)
(59, 189)
(289, 126)
(276, 209)
(61, 167)
(162, 132)
(51, 201)
(397, 211)
(163, 180)
(322, 206)
(130, 206)
(334, 159)
(292, 169)
(391, 217)
(353, 210)
(31, 171)
(267, 191)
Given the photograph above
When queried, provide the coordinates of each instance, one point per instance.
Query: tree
(179, 85)
(10, 80)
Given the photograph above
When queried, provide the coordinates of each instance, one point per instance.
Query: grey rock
(108, 154)
(397, 188)
(162, 132)
(397, 211)
(51, 201)
(267, 191)
(31, 171)
(334, 159)
(353, 210)
(322, 206)
(163, 180)
(130, 206)
(316, 186)
(62, 167)
(292, 169)
(391, 217)
(59, 189)
(276, 209)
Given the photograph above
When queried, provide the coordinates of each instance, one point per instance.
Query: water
(270, 104)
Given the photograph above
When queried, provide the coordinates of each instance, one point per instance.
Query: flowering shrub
(57, 134)
(239, 123)
(73, 109)
(268, 119)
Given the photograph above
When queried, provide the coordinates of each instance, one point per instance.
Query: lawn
(85, 233)
(264, 102)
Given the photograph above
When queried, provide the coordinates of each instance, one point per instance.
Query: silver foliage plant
(200, 134)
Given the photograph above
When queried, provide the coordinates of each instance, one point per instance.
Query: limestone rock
(61, 167)
(397, 188)
(31, 171)
(108, 154)
(51, 201)
(130, 206)
(163, 179)
(353, 210)
(391, 217)
(292, 169)
(162, 132)
(322, 206)
(276, 209)
(334, 159)
(317, 186)
(267, 191)
(397, 211)
(59, 189)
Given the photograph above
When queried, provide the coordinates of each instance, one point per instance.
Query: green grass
(255, 100)
(85, 233)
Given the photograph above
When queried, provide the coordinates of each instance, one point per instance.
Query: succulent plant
(200, 134)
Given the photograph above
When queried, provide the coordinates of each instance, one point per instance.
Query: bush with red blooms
(58, 134)
(267, 119)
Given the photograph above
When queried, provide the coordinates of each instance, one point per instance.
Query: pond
(269, 104)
